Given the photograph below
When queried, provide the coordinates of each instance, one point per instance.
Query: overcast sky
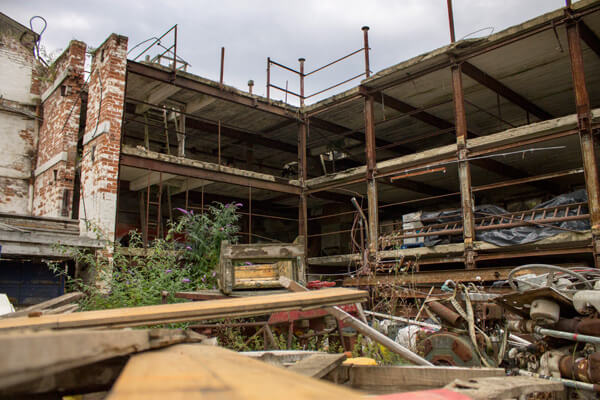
(251, 31)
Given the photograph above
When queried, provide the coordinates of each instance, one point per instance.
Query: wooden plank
(262, 271)
(192, 311)
(200, 372)
(390, 379)
(318, 365)
(29, 356)
(507, 387)
(269, 251)
(65, 299)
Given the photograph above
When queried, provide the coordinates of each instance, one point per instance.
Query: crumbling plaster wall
(57, 147)
(19, 91)
(102, 138)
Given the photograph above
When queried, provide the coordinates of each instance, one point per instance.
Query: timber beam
(209, 88)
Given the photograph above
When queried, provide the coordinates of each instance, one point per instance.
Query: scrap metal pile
(547, 327)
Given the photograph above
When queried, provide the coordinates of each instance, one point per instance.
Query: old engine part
(448, 315)
(581, 369)
(587, 301)
(544, 311)
(450, 349)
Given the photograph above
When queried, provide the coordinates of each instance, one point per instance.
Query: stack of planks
(184, 312)
(64, 304)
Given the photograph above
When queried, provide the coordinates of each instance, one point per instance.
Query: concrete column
(464, 170)
(586, 138)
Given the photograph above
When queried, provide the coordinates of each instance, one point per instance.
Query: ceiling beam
(156, 96)
(589, 37)
(498, 87)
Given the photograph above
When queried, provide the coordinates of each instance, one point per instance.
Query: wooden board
(391, 379)
(507, 387)
(318, 365)
(192, 311)
(65, 299)
(28, 356)
(201, 372)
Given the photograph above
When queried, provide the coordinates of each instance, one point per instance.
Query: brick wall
(57, 147)
(19, 91)
(102, 139)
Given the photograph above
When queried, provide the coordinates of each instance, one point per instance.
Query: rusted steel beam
(302, 177)
(372, 195)
(586, 137)
(498, 87)
(343, 131)
(429, 277)
(589, 37)
(194, 172)
(215, 91)
(464, 170)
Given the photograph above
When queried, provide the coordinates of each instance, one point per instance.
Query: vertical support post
(180, 132)
(586, 138)
(464, 170)
(365, 30)
(451, 22)
(371, 181)
(249, 214)
(175, 53)
(219, 142)
(222, 66)
(146, 132)
(302, 176)
(301, 61)
(146, 229)
(269, 79)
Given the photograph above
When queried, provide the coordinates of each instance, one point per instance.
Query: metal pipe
(567, 382)
(269, 79)
(451, 22)
(250, 86)
(175, 52)
(405, 320)
(222, 66)
(365, 30)
(301, 61)
(362, 215)
(567, 335)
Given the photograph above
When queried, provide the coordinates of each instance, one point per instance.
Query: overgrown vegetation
(135, 276)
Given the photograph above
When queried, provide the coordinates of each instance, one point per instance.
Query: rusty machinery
(547, 327)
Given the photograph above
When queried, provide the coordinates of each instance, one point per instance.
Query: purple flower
(168, 271)
(239, 205)
(214, 273)
(221, 228)
(188, 247)
(247, 263)
(186, 212)
(204, 278)
(185, 280)
(227, 205)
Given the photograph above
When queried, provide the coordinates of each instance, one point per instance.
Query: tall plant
(203, 234)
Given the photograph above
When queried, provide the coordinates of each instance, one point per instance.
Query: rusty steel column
(365, 30)
(302, 176)
(586, 138)
(301, 61)
(464, 170)
(371, 181)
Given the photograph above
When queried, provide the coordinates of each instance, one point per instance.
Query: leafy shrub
(136, 276)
